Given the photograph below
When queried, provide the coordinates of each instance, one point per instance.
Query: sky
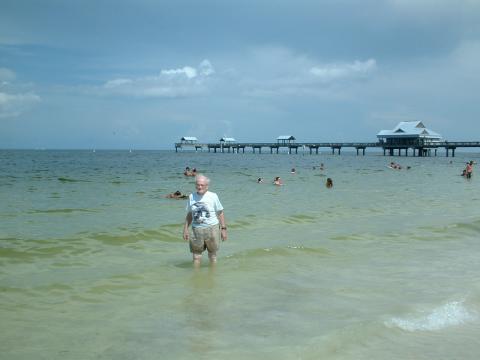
(141, 74)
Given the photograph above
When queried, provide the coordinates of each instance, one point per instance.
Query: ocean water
(383, 266)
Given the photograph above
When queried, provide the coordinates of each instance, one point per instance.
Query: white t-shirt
(204, 209)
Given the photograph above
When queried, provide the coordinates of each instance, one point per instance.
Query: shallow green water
(92, 264)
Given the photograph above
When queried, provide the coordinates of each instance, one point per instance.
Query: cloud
(206, 68)
(6, 75)
(297, 74)
(169, 83)
(12, 105)
(117, 82)
(15, 98)
(332, 72)
(188, 71)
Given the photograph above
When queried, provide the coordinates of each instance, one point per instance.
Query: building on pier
(189, 140)
(285, 140)
(227, 140)
(409, 134)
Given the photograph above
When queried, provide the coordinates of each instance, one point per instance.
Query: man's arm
(223, 225)
(188, 221)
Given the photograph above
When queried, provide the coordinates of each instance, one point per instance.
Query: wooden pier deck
(421, 149)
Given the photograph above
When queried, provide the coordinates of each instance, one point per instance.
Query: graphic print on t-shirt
(200, 212)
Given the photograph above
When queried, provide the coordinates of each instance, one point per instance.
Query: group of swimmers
(276, 181)
(397, 166)
(279, 182)
(178, 194)
(467, 172)
(189, 172)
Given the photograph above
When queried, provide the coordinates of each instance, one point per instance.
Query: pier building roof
(227, 139)
(286, 137)
(189, 139)
(409, 129)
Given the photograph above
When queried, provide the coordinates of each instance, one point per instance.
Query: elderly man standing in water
(205, 213)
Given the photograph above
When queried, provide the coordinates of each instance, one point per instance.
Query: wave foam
(451, 314)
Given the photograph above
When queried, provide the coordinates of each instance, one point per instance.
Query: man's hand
(223, 233)
(186, 234)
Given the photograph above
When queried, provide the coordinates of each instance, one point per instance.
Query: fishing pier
(421, 150)
(407, 136)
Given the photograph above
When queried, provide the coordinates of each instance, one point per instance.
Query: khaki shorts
(205, 238)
